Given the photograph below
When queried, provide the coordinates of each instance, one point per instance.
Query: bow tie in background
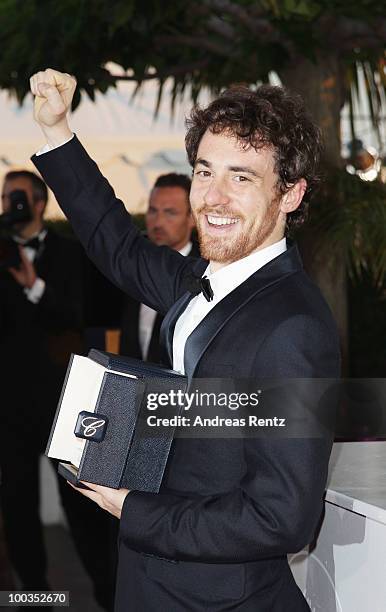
(34, 243)
(201, 285)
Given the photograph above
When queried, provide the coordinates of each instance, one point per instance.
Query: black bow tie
(34, 243)
(201, 285)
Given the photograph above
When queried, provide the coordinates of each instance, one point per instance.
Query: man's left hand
(25, 274)
(106, 498)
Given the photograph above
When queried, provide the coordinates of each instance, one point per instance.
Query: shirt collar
(40, 235)
(186, 249)
(229, 277)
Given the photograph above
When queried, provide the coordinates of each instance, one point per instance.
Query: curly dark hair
(267, 117)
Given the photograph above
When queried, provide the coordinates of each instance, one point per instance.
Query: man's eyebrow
(203, 162)
(169, 208)
(245, 169)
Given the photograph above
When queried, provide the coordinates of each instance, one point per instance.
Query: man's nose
(216, 194)
(158, 221)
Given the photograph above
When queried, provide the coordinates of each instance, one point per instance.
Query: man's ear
(291, 200)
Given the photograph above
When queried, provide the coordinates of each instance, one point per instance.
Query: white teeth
(221, 220)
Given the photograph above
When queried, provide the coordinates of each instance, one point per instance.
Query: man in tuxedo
(168, 222)
(40, 326)
(217, 535)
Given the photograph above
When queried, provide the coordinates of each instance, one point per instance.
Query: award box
(99, 431)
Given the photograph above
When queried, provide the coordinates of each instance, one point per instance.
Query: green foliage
(74, 36)
(311, 9)
(287, 9)
(63, 227)
(351, 214)
(367, 307)
(211, 43)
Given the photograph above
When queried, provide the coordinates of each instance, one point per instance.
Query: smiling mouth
(220, 221)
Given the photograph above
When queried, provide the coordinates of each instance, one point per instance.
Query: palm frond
(349, 215)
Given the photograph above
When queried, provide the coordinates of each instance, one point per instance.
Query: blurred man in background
(169, 223)
(40, 325)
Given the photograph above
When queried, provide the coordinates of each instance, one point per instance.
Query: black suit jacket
(129, 341)
(36, 340)
(217, 535)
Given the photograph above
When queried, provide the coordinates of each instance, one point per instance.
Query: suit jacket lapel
(168, 325)
(273, 272)
(169, 322)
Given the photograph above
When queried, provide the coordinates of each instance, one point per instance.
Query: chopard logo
(90, 428)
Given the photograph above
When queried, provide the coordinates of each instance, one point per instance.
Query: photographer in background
(40, 326)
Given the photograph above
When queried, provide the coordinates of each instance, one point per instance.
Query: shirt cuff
(48, 147)
(35, 293)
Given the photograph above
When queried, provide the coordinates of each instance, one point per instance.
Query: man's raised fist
(53, 93)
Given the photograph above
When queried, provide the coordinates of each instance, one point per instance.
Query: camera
(19, 212)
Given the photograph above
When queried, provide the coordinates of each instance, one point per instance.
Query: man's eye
(202, 173)
(241, 179)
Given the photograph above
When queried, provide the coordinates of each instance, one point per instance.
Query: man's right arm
(153, 275)
(150, 274)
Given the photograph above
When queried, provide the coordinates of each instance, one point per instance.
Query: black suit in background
(36, 341)
(217, 535)
(129, 341)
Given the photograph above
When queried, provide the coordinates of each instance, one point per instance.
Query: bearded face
(226, 236)
(234, 199)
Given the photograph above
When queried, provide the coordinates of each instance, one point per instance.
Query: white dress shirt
(147, 316)
(222, 281)
(34, 293)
